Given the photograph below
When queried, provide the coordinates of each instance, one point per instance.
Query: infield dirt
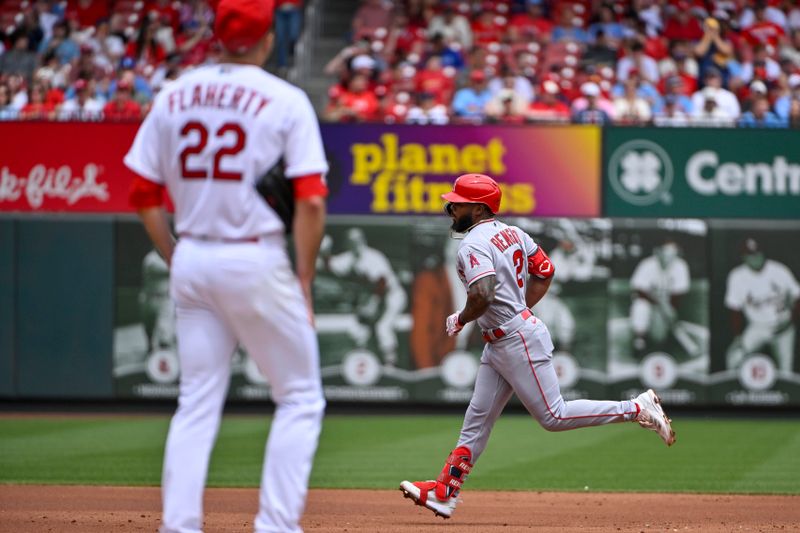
(80, 509)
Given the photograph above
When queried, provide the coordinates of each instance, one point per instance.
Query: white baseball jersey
(650, 277)
(765, 296)
(208, 141)
(493, 248)
(367, 263)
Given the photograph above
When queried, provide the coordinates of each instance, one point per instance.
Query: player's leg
(641, 314)
(528, 367)
(267, 310)
(490, 396)
(205, 348)
(783, 348)
(385, 327)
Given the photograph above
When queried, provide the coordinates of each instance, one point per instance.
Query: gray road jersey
(495, 249)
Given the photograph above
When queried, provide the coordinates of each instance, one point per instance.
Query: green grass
(722, 456)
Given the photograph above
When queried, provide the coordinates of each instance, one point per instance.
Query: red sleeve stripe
(308, 186)
(145, 193)
(478, 276)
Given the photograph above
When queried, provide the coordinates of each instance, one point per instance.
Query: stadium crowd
(662, 62)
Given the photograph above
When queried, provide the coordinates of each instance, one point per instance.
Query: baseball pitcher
(505, 273)
(208, 137)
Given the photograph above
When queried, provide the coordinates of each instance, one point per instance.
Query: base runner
(505, 273)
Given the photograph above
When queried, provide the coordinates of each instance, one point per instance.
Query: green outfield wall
(686, 280)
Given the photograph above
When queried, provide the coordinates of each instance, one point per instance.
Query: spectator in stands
(7, 112)
(355, 104)
(672, 114)
(679, 59)
(784, 102)
(436, 80)
(31, 26)
(194, 43)
(682, 25)
(146, 50)
(37, 107)
(760, 66)
(630, 108)
(760, 116)
(649, 15)
(794, 114)
(725, 103)
(371, 15)
(520, 85)
(450, 56)
(674, 90)
(708, 112)
(47, 15)
(427, 111)
(288, 21)
(122, 105)
(485, 29)
(607, 25)
(531, 24)
(470, 102)
(340, 64)
(762, 30)
(714, 49)
(591, 113)
(87, 12)
(507, 105)
(790, 48)
(83, 106)
(600, 52)
(636, 59)
(548, 107)
(570, 27)
(164, 9)
(64, 47)
(451, 25)
(402, 38)
(19, 93)
(18, 60)
(127, 73)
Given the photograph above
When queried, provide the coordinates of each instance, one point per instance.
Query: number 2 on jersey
(519, 264)
(224, 151)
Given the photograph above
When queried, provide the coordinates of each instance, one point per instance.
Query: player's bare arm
(308, 228)
(479, 297)
(536, 290)
(156, 224)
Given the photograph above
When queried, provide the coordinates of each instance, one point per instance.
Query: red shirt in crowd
(122, 110)
(764, 32)
(524, 23)
(365, 104)
(40, 111)
(166, 10)
(437, 83)
(87, 12)
(691, 31)
(486, 32)
(542, 111)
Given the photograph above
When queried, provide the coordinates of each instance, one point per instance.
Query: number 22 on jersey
(235, 140)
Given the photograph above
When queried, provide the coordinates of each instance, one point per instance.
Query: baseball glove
(276, 190)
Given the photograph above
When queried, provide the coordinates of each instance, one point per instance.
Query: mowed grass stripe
(742, 456)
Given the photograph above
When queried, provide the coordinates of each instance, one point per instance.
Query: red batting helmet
(475, 189)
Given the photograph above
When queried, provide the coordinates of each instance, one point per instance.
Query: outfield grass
(724, 456)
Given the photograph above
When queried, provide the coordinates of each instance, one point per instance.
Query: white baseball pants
(246, 292)
(522, 362)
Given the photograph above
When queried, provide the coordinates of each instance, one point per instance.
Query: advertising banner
(755, 310)
(694, 172)
(658, 310)
(59, 166)
(403, 170)
(375, 169)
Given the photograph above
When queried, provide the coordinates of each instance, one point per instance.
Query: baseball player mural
(209, 136)
(504, 273)
(387, 298)
(763, 297)
(658, 283)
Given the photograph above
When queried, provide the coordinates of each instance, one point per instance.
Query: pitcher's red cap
(239, 24)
